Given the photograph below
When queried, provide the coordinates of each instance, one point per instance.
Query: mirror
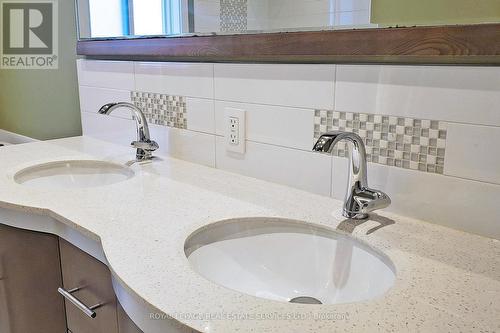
(118, 18)
(136, 18)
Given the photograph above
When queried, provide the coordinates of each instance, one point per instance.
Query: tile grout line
(214, 117)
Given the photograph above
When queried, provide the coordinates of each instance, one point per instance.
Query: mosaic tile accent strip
(407, 143)
(233, 15)
(162, 109)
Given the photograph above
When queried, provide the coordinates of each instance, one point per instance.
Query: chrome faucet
(144, 145)
(360, 199)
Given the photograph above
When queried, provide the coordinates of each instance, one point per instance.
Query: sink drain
(305, 300)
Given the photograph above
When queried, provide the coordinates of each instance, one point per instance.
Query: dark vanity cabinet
(30, 274)
(36, 269)
(93, 279)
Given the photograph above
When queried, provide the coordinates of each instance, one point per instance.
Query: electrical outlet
(235, 130)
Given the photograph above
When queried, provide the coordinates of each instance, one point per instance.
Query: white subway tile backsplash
(201, 115)
(185, 79)
(106, 74)
(308, 86)
(190, 146)
(304, 170)
(186, 145)
(276, 125)
(473, 152)
(444, 93)
(442, 120)
(457, 203)
(113, 129)
(92, 98)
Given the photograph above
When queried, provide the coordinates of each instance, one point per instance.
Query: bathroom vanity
(143, 247)
(175, 237)
(30, 271)
(34, 266)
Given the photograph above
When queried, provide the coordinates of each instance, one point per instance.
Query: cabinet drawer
(93, 278)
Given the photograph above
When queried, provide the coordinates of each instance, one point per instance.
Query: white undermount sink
(289, 261)
(73, 174)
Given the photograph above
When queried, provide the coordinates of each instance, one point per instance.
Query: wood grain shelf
(460, 44)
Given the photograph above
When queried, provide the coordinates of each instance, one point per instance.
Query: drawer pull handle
(88, 310)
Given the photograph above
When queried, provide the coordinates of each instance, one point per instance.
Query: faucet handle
(363, 201)
(148, 145)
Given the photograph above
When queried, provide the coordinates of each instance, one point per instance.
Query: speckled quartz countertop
(447, 280)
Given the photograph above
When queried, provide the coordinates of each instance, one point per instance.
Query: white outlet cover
(240, 115)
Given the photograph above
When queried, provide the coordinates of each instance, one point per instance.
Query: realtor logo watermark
(29, 34)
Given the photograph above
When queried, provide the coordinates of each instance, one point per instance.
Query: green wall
(43, 104)
(430, 12)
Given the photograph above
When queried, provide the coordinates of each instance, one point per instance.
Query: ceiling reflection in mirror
(137, 18)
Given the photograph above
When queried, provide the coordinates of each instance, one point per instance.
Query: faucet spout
(360, 199)
(144, 145)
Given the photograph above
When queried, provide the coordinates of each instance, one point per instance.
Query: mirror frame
(459, 44)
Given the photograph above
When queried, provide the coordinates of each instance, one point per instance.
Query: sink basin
(73, 174)
(289, 261)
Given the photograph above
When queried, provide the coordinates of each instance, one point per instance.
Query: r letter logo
(29, 34)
